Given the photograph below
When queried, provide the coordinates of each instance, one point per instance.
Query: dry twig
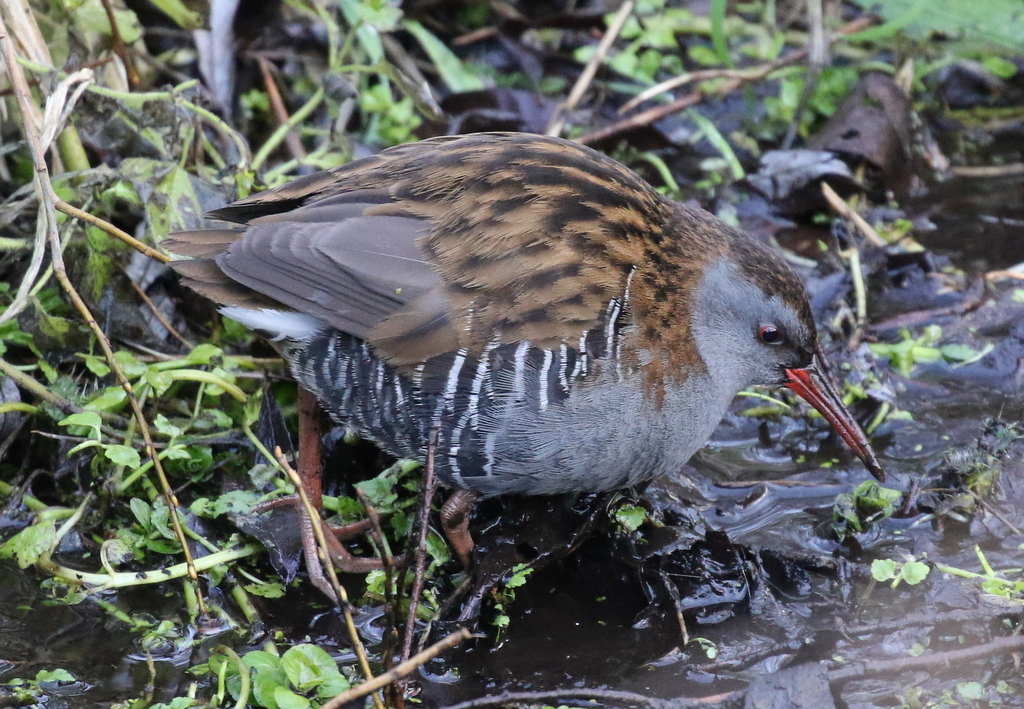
(121, 49)
(873, 668)
(750, 74)
(159, 315)
(846, 212)
(738, 78)
(1016, 168)
(291, 138)
(400, 671)
(1015, 273)
(557, 121)
(653, 114)
(423, 529)
(73, 211)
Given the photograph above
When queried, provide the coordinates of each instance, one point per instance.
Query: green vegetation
(855, 511)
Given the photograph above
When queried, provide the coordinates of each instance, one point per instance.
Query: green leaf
(631, 29)
(266, 590)
(926, 355)
(262, 474)
(1000, 67)
(96, 365)
(401, 525)
(160, 381)
(48, 371)
(660, 29)
(182, 702)
(90, 18)
(886, 494)
(705, 56)
(182, 16)
(177, 453)
(202, 354)
(973, 26)
(970, 691)
(168, 193)
(348, 508)
(437, 549)
(957, 352)
(710, 649)
(161, 517)
(449, 66)
(57, 675)
(220, 419)
(164, 426)
(287, 699)
(380, 491)
(31, 543)
(262, 661)
(89, 419)
(519, 574)
(378, 14)
(142, 511)
(914, 572)
(109, 399)
(370, 19)
(883, 569)
(375, 583)
(129, 365)
(234, 502)
(162, 546)
(307, 665)
(191, 460)
(844, 516)
(718, 34)
(631, 517)
(265, 686)
(123, 455)
(391, 122)
(333, 686)
(10, 332)
(182, 204)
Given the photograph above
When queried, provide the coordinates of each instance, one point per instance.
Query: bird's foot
(341, 557)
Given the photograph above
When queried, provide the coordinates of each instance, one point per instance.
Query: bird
(529, 311)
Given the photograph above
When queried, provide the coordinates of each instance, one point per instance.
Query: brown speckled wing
(446, 244)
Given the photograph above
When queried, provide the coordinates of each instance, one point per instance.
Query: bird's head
(752, 323)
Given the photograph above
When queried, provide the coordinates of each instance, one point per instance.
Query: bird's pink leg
(308, 468)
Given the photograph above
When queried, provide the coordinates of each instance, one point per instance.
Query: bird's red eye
(769, 335)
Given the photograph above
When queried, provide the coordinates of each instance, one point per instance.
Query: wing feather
(444, 244)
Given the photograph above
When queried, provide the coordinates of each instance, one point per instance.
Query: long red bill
(814, 384)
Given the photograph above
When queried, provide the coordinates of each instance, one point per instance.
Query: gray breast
(516, 418)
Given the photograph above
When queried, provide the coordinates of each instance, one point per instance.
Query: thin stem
(279, 135)
(318, 529)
